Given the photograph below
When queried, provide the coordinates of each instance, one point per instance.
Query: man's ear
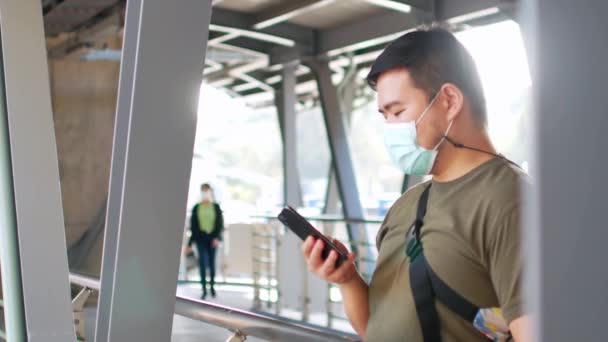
(452, 100)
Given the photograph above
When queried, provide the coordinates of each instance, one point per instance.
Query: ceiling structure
(250, 40)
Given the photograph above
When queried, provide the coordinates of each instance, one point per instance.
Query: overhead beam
(247, 46)
(223, 38)
(373, 30)
(385, 27)
(251, 50)
(399, 6)
(303, 36)
(286, 11)
(450, 10)
(257, 35)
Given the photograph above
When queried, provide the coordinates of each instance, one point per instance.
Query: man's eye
(399, 113)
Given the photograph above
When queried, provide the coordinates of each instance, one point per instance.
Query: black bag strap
(424, 298)
(421, 212)
(450, 298)
(426, 286)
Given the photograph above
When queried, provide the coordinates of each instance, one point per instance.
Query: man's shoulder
(504, 182)
(413, 193)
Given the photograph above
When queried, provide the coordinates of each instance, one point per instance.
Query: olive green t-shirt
(471, 239)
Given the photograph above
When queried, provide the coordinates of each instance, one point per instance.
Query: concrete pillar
(84, 103)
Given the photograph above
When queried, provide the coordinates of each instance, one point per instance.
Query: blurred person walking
(206, 225)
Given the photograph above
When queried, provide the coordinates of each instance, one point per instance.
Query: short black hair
(206, 185)
(433, 56)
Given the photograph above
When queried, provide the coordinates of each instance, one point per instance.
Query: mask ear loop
(445, 136)
(427, 109)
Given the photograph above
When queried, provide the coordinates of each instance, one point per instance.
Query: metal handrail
(240, 321)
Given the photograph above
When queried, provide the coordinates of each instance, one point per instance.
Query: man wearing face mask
(206, 225)
(449, 260)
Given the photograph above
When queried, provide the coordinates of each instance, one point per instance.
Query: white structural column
(286, 108)
(117, 171)
(566, 230)
(12, 328)
(159, 88)
(35, 173)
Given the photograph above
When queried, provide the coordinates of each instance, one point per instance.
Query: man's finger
(307, 246)
(329, 265)
(315, 260)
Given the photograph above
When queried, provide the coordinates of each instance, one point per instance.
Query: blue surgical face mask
(401, 140)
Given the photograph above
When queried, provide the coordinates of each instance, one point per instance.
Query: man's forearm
(520, 329)
(356, 303)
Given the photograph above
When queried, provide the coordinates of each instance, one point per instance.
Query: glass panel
(314, 159)
(238, 151)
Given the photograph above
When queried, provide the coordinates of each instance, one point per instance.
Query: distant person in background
(206, 224)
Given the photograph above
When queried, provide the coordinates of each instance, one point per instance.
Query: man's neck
(453, 163)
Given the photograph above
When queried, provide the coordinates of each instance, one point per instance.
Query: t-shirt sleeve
(505, 264)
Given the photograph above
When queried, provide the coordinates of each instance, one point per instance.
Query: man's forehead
(394, 85)
(400, 75)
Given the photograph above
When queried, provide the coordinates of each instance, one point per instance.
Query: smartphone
(303, 229)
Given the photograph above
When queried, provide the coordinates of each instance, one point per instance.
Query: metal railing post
(257, 304)
(78, 308)
(277, 247)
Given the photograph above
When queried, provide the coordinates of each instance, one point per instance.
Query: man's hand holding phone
(326, 269)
